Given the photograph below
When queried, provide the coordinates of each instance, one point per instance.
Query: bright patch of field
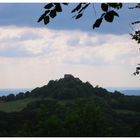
(15, 106)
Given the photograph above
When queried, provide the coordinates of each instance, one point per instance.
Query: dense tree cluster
(13, 97)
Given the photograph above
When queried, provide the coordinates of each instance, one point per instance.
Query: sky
(31, 53)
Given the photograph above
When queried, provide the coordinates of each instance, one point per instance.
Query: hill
(68, 87)
(69, 107)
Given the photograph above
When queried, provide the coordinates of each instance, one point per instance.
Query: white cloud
(30, 56)
(66, 46)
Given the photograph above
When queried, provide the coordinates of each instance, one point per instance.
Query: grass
(15, 106)
(124, 111)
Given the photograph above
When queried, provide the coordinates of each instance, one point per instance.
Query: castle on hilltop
(68, 76)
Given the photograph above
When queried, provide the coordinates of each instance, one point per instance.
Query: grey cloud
(73, 42)
(13, 53)
(29, 36)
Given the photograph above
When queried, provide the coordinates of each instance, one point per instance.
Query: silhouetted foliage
(10, 97)
(136, 34)
(20, 95)
(137, 70)
(51, 10)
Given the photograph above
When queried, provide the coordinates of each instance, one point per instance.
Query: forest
(69, 107)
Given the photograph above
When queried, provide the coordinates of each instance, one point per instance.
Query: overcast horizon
(31, 53)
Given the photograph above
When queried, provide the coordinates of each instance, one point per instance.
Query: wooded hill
(69, 107)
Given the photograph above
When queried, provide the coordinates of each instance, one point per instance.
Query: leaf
(48, 6)
(137, 72)
(97, 23)
(46, 20)
(77, 7)
(83, 8)
(114, 13)
(138, 68)
(53, 13)
(65, 3)
(58, 7)
(78, 16)
(120, 5)
(41, 17)
(104, 7)
(109, 16)
(115, 5)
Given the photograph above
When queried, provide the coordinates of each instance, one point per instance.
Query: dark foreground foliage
(69, 107)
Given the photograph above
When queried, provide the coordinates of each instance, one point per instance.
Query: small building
(68, 76)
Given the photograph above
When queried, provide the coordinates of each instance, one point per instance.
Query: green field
(15, 106)
(125, 111)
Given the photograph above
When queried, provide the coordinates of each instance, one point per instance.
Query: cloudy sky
(31, 53)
